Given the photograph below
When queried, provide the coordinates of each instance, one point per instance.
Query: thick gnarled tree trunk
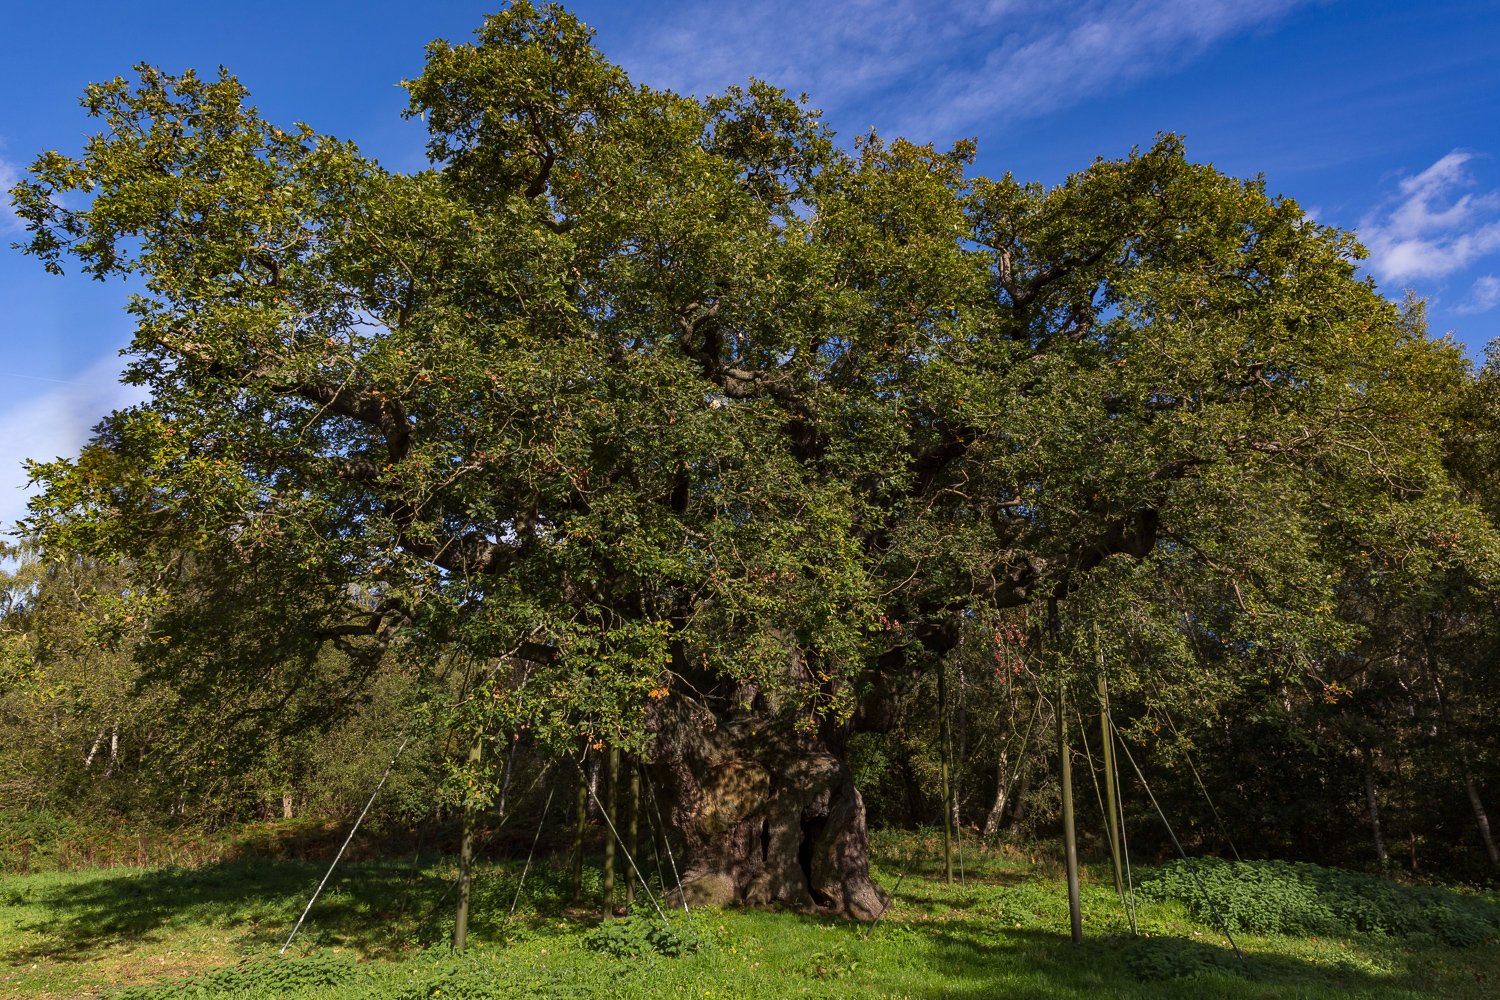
(767, 815)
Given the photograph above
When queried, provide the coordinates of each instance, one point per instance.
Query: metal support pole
(633, 826)
(945, 750)
(580, 826)
(1065, 754)
(612, 796)
(1070, 839)
(1111, 789)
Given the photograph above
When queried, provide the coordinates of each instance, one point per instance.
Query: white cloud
(54, 424)
(1095, 47)
(1483, 296)
(1430, 229)
(10, 176)
(941, 65)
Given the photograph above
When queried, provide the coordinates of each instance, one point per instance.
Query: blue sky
(1382, 117)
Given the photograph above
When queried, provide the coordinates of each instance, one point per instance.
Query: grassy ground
(380, 928)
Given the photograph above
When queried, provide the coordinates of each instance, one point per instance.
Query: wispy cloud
(10, 176)
(1483, 296)
(1095, 47)
(53, 424)
(941, 65)
(1434, 226)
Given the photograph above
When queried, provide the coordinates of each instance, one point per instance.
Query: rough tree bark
(466, 862)
(768, 814)
(1007, 778)
(1019, 801)
(991, 828)
(1481, 818)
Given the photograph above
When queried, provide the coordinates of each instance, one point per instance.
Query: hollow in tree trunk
(767, 813)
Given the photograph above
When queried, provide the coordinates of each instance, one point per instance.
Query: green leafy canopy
(666, 395)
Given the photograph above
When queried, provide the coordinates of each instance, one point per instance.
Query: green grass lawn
(380, 930)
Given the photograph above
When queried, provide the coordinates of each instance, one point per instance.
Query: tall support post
(1070, 839)
(1372, 802)
(580, 826)
(466, 861)
(1065, 755)
(633, 827)
(945, 744)
(1111, 789)
(611, 797)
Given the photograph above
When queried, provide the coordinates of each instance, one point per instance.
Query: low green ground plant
(1292, 898)
(640, 934)
(307, 975)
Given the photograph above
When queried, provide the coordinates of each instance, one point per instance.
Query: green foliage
(27, 834)
(870, 757)
(838, 962)
(628, 396)
(639, 935)
(867, 759)
(251, 980)
(105, 721)
(1154, 959)
(591, 383)
(1279, 897)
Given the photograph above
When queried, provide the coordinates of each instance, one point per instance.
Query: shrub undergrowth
(1294, 898)
(263, 978)
(639, 935)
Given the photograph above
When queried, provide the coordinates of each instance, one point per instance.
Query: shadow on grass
(384, 908)
(1029, 964)
(932, 871)
(371, 907)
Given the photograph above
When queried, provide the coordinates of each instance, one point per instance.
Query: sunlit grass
(380, 930)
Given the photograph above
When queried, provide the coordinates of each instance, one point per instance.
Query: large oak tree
(707, 418)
